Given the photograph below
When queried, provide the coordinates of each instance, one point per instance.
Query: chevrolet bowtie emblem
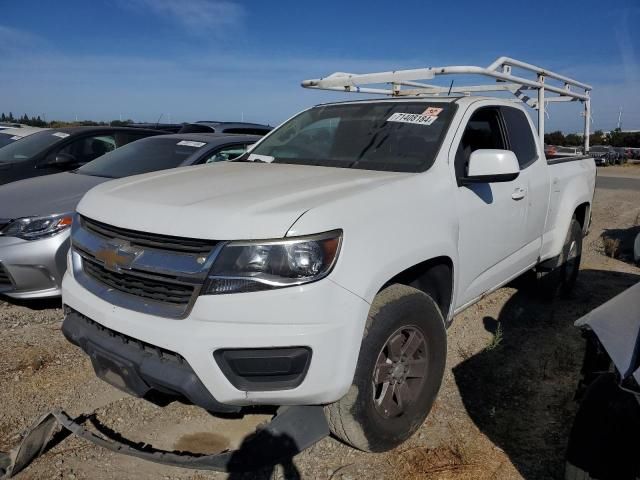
(117, 255)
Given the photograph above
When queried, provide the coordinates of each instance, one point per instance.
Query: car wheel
(398, 374)
(561, 280)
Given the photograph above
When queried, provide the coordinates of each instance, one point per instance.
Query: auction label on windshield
(415, 118)
(60, 134)
(189, 143)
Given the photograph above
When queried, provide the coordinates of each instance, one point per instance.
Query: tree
(597, 138)
(554, 138)
(573, 140)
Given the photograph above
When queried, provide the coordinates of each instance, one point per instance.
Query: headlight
(33, 228)
(253, 266)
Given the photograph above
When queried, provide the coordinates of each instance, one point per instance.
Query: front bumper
(33, 269)
(322, 316)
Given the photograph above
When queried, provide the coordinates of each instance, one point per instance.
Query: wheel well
(581, 215)
(434, 277)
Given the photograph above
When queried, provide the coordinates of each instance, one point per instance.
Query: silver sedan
(35, 214)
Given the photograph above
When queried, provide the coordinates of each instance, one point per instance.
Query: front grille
(156, 241)
(4, 277)
(159, 288)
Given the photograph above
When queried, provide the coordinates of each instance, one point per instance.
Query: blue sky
(227, 60)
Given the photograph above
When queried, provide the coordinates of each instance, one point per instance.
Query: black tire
(561, 280)
(603, 439)
(359, 417)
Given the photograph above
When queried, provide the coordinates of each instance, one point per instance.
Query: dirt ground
(504, 410)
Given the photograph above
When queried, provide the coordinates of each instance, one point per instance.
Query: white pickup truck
(324, 267)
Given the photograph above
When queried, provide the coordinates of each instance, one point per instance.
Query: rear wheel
(562, 279)
(398, 375)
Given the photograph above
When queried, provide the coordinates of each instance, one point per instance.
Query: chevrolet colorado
(324, 266)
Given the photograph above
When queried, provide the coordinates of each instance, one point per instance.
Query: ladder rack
(561, 88)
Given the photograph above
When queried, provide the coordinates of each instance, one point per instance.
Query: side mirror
(490, 166)
(61, 160)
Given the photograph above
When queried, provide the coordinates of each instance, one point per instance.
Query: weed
(611, 247)
(496, 340)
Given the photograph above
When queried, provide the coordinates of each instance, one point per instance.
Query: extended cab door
(534, 178)
(492, 216)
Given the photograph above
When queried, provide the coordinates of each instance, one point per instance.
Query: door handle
(519, 193)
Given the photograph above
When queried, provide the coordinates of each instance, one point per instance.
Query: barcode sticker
(414, 118)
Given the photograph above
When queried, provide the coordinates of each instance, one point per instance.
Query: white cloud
(198, 16)
(13, 40)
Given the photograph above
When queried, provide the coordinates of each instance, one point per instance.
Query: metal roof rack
(561, 88)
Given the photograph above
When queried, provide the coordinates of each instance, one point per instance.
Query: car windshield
(397, 136)
(25, 148)
(143, 156)
(599, 149)
(6, 139)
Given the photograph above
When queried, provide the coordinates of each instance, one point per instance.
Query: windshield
(6, 139)
(391, 136)
(599, 149)
(27, 147)
(142, 156)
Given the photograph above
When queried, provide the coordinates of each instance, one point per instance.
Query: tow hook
(292, 430)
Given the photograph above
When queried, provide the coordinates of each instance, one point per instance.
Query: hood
(227, 200)
(45, 195)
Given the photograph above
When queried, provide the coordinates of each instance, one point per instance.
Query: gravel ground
(504, 410)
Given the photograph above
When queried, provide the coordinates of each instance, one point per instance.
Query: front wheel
(398, 375)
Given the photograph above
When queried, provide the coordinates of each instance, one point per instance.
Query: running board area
(291, 431)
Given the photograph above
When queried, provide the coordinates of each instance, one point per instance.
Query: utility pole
(620, 119)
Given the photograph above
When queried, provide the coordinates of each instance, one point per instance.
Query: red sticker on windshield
(432, 111)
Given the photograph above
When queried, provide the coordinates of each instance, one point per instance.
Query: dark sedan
(62, 149)
(36, 213)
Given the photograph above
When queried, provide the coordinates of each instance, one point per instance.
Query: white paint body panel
(391, 221)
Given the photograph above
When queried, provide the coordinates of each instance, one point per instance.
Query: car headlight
(34, 228)
(264, 265)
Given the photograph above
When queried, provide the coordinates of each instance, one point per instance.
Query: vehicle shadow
(34, 304)
(519, 390)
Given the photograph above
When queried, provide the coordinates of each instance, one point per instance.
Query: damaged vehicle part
(603, 441)
(291, 431)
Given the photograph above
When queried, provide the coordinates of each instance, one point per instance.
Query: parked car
(165, 127)
(323, 267)
(62, 149)
(550, 150)
(567, 152)
(10, 135)
(603, 443)
(226, 127)
(621, 157)
(37, 212)
(603, 155)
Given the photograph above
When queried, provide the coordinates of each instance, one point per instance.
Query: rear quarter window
(521, 140)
